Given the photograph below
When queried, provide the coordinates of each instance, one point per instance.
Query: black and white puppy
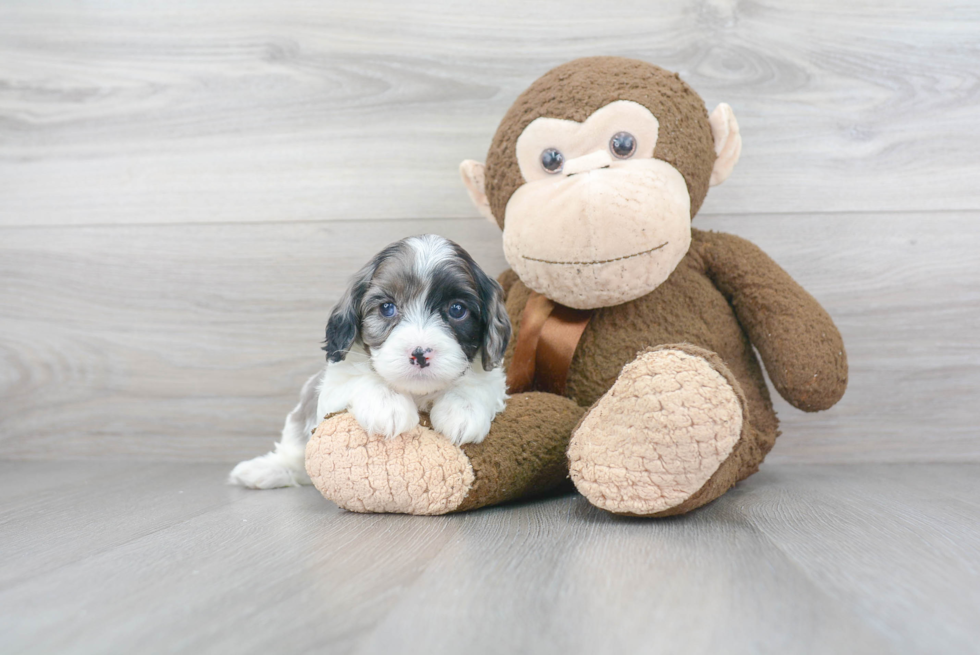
(421, 327)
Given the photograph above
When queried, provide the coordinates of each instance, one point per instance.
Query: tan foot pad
(657, 436)
(419, 472)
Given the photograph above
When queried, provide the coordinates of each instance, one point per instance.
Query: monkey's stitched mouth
(588, 171)
(600, 261)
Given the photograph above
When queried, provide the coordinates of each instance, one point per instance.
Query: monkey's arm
(800, 346)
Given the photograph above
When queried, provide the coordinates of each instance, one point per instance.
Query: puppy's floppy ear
(496, 323)
(344, 325)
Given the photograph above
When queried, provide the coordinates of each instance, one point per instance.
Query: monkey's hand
(800, 346)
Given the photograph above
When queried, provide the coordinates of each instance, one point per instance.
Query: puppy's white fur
(384, 391)
(462, 413)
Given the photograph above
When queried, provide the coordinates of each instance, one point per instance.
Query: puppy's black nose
(419, 357)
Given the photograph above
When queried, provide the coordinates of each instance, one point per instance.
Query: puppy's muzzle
(421, 358)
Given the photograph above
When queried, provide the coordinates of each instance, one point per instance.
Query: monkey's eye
(622, 145)
(457, 310)
(552, 160)
(388, 309)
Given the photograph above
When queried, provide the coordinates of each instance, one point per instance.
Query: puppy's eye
(622, 145)
(552, 160)
(388, 309)
(457, 310)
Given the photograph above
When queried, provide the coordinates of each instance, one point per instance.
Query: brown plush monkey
(634, 331)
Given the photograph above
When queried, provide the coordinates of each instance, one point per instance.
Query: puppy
(421, 327)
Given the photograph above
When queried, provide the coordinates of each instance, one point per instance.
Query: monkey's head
(595, 174)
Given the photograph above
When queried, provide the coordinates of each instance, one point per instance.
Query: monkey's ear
(474, 178)
(728, 142)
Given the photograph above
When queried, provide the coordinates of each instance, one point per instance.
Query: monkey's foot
(422, 472)
(661, 440)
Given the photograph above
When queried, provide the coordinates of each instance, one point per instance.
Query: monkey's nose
(421, 357)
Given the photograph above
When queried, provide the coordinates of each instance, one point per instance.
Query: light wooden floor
(103, 557)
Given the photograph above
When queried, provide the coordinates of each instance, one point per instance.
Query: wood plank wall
(184, 189)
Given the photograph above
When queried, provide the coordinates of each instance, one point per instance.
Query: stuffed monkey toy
(632, 369)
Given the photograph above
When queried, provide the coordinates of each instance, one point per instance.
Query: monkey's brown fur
(723, 298)
(714, 299)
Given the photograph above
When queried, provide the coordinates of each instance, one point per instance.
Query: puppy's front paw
(459, 420)
(387, 414)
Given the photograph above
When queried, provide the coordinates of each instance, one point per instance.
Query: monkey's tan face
(599, 221)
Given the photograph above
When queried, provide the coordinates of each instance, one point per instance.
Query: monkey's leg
(421, 472)
(671, 434)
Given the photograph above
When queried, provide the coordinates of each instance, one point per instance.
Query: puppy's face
(423, 310)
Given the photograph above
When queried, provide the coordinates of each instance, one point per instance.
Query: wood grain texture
(297, 111)
(797, 559)
(191, 341)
